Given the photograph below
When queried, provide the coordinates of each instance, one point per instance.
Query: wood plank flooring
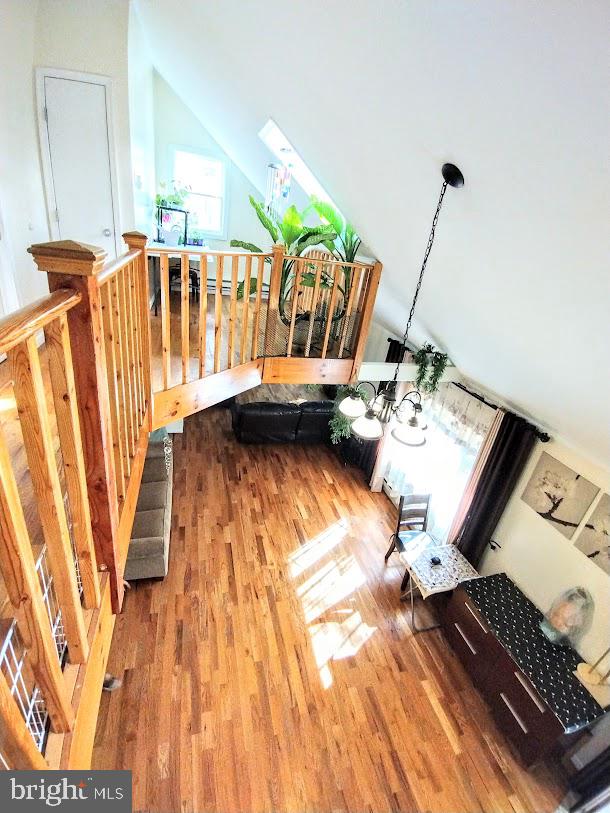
(274, 668)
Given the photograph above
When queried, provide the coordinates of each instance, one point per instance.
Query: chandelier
(369, 416)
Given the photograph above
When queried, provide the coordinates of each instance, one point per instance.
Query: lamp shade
(411, 433)
(352, 407)
(367, 426)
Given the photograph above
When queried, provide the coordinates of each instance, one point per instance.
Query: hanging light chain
(421, 276)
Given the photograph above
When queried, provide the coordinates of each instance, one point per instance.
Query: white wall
(142, 125)
(21, 191)
(175, 124)
(92, 37)
(515, 93)
(542, 561)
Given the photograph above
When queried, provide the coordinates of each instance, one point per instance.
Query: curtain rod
(543, 437)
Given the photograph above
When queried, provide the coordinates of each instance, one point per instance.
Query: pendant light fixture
(383, 405)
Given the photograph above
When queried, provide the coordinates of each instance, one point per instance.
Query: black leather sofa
(270, 422)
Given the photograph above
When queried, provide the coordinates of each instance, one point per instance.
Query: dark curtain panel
(507, 458)
(396, 351)
(591, 780)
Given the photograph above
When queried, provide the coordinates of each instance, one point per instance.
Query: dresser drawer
(516, 728)
(466, 649)
(461, 611)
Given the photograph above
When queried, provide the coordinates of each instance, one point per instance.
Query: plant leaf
(266, 221)
(291, 226)
(247, 246)
(329, 213)
(240, 288)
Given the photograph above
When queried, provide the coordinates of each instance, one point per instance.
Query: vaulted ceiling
(376, 96)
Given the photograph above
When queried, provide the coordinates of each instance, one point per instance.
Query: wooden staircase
(111, 376)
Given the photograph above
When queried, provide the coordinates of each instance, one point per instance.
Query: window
(205, 176)
(276, 141)
(457, 427)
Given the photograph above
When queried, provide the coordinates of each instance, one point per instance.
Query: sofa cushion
(266, 422)
(313, 425)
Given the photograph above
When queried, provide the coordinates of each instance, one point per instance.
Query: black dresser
(527, 681)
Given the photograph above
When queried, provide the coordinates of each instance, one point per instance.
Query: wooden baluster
(113, 387)
(336, 271)
(135, 329)
(126, 362)
(203, 311)
(72, 265)
(365, 318)
(16, 743)
(356, 273)
(218, 312)
(295, 302)
(314, 305)
(123, 427)
(137, 241)
(273, 304)
(68, 426)
(233, 309)
(23, 587)
(184, 314)
(38, 441)
(244, 311)
(257, 306)
(165, 321)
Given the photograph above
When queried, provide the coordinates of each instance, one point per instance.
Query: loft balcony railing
(118, 368)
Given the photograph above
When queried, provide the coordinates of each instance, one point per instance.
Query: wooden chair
(412, 516)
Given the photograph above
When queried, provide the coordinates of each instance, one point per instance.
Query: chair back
(413, 512)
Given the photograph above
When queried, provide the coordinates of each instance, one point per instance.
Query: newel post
(366, 317)
(273, 304)
(69, 264)
(136, 241)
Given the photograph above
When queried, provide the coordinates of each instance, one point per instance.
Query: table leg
(411, 596)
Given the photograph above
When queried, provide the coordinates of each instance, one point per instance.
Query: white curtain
(457, 426)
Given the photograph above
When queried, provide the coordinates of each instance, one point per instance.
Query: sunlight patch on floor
(314, 549)
(337, 580)
(335, 640)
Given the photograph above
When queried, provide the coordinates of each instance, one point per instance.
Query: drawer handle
(508, 705)
(466, 641)
(476, 617)
(536, 700)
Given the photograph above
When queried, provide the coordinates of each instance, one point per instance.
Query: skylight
(283, 150)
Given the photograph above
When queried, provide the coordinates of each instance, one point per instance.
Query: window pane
(204, 213)
(204, 176)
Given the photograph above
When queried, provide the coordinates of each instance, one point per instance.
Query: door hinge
(57, 215)
(45, 113)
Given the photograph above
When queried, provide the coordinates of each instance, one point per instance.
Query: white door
(78, 160)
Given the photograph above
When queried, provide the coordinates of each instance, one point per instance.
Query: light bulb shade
(352, 407)
(410, 432)
(367, 426)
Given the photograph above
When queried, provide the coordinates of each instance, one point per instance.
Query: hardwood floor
(274, 668)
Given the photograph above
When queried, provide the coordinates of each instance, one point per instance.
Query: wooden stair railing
(85, 453)
(274, 319)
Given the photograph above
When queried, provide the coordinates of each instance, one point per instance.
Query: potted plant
(431, 365)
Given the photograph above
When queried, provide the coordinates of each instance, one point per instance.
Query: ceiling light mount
(452, 175)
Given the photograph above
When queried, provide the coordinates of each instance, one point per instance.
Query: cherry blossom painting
(594, 539)
(559, 495)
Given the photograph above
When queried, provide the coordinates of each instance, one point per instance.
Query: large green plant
(347, 242)
(291, 232)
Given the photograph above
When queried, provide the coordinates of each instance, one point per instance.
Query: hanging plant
(437, 368)
(421, 358)
(431, 364)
